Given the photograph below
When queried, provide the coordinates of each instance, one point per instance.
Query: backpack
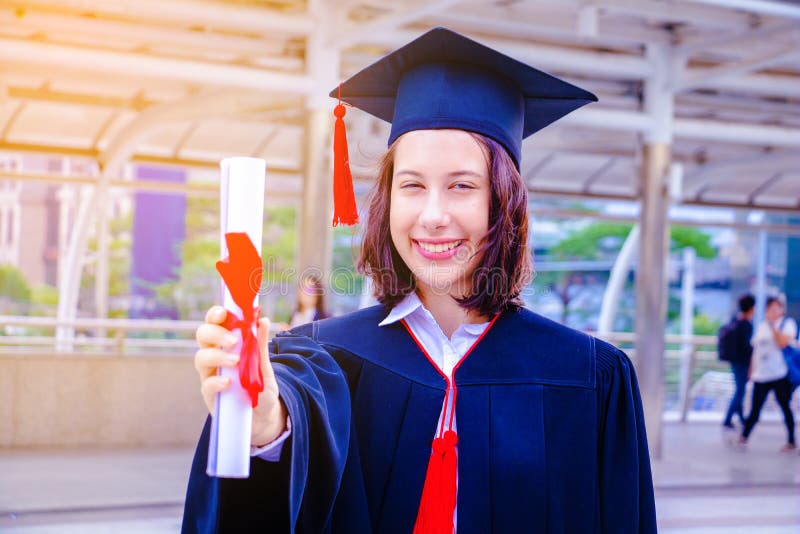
(792, 357)
(727, 349)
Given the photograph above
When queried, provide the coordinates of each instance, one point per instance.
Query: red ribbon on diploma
(241, 271)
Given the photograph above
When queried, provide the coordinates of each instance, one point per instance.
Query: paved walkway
(703, 486)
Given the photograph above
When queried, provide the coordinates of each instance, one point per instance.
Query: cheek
(401, 220)
(480, 216)
(396, 233)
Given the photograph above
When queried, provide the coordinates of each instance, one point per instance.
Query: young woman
(448, 407)
(770, 372)
(310, 304)
(310, 301)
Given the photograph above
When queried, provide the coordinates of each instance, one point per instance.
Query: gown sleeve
(626, 496)
(298, 492)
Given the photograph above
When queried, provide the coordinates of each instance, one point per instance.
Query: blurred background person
(791, 353)
(310, 304)
(310, 301)
(735, 347)
(769, 370)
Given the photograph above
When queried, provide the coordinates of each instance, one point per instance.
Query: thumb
(263, 346)
(263, 335)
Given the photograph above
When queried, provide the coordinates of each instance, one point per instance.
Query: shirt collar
(411, 303)
(403, 309)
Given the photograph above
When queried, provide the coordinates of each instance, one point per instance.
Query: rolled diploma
(241, 210)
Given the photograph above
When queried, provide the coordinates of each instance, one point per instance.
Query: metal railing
(689, 361)
(123, 336)
(686, 358)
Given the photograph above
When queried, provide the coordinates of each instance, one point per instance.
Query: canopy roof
(188, 82)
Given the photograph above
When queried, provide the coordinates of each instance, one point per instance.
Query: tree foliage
(197, 285)
(603, 241)
(13, 284)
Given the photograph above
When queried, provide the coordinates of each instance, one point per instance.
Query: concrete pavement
(703, 486)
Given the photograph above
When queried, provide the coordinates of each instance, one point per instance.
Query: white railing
(22, 334)
(17, 330)
(121, 337)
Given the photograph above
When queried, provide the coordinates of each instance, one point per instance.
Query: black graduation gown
(550, 426)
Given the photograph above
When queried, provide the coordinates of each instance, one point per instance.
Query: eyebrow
(454, 174)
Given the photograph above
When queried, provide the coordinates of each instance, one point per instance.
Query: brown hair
(505, 268)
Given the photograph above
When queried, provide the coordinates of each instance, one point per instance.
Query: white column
(69, 284)
(16, 223)
(651, 286)
(687, 329)
(761, 277)
(314, 218)
(67, 201)
(616, 282)
(10, 221)
(101, 260)
(316, 233)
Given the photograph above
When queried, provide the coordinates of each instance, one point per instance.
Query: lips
(439, 247)
(440, 250)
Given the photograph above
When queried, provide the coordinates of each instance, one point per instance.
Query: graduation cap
(445, 80)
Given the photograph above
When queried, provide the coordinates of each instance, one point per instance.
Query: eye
(410, 185)
(464, 185)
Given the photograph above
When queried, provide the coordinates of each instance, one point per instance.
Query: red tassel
(344, 199)
(438, 503)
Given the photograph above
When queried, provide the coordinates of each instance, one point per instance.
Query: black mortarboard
(445, 80)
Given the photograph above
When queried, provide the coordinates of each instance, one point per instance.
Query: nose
(435, 213)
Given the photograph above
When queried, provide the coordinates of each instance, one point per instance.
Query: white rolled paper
(241, 210)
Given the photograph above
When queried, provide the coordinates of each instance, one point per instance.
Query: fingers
(263, 334)
(210, 387)
(207, 360)
(213, 335)
(214, 384)
(215, 343)
(263, 343)
(216, 315)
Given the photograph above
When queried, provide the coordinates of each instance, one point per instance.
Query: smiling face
(439, 208)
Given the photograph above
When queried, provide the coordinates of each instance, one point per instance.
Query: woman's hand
(781, 339)
(215, 343)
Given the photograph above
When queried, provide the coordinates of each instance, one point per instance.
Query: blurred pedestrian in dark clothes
(738, 351)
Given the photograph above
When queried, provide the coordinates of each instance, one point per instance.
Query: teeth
(438, 247)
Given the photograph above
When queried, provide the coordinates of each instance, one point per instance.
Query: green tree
(197, 284)
(346, 283)
(602, 241)
(13, 285)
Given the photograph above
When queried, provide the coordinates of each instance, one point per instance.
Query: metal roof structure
(187, 82)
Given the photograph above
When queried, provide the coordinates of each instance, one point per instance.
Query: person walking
(735, 348)
(770, 372)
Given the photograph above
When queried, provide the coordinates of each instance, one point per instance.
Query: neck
(447, 312)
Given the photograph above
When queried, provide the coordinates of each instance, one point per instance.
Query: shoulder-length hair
(505, 268)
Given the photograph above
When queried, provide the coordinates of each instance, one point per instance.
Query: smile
(439, 247)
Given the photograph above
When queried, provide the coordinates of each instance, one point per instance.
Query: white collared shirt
(444, 352)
